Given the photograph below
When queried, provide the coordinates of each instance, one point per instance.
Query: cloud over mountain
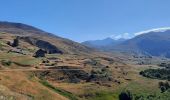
(163, 29)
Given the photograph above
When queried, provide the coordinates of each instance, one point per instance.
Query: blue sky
(81, 20)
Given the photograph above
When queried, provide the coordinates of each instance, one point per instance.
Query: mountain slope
(23, 30)
(104, 44)
(155, 43)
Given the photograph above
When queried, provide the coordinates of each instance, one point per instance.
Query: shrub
(125, 95)
(100, 74)
(163, 89)
(6, 62)
(164, 86)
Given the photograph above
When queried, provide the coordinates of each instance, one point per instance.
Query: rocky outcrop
(16, 42)
(50, 48)
(40, 53)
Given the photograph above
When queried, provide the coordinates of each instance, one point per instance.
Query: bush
(6, 62)
(163, 89)
(125, 95)
(100, 74)
(162, 74)
(164, 86)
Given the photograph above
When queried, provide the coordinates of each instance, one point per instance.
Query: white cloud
(153, 30)
(121, 36)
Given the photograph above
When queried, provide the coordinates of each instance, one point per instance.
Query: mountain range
(104, 45)
(155, 43)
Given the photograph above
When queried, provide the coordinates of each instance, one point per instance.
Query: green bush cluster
(128, 95)
(162, 74)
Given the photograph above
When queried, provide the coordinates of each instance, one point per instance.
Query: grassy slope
(58, 90)
(21, 83)
(17, 83)
(139, 86)
(20, 60)
(142, 86)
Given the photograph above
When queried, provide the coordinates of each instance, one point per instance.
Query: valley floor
(68, 80)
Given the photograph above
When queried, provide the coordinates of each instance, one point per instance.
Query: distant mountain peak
(121, 39)
(108, 38)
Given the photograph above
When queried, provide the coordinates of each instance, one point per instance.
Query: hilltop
(27, 31)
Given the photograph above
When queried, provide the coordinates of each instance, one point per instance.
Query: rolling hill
(32, 34)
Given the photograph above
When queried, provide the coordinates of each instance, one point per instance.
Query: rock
(40, 53)
(16, 42)
(50, 48)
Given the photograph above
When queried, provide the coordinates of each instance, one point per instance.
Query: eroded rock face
(50, 48)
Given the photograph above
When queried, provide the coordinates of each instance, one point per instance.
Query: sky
(82, 20)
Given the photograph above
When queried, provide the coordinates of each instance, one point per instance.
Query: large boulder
(15, 42)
